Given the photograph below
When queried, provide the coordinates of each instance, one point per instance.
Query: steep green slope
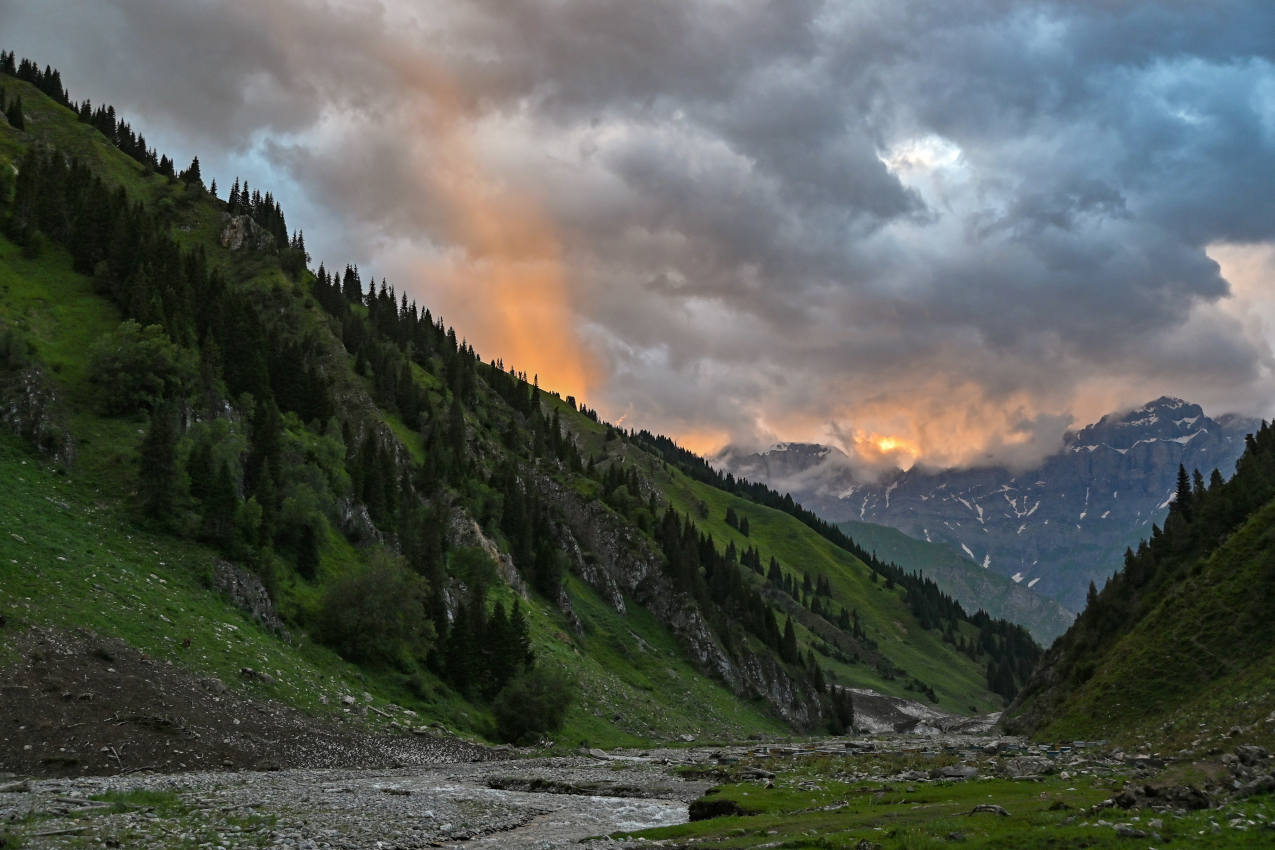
(895, 656)
(68, 545)
(398, 498)
(967, 582)
(1180, 646)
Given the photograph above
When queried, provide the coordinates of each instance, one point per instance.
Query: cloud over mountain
(950, 224)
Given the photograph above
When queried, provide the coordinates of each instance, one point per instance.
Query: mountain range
(1053, 528)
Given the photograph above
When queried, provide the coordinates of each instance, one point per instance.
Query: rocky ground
(335, 809)
(80, 704)
(548, 802)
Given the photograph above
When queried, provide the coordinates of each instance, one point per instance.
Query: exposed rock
(956, 771)
(1260, 785)
(31, 408)
(1125, 831)
(1250, 754)
(463, 530)
(989, 808)
(248, 674)
(239, 232)
(356, 522)
(875, 713)
(213, 685)
(246, 592)
(1055, 527)
(618, 561)
(1170, 796)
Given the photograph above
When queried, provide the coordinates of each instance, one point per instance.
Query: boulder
(1250, 754)
(1022, 766)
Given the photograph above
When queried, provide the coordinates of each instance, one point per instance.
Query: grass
(190, 826)
(818, 801)
(959, 682)
(1201, 662)
(636, 685)
(68, 560)
(57, 311)
(968, 583)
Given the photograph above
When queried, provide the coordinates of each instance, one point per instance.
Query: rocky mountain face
(1052, 529)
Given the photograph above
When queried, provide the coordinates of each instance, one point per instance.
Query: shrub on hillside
(376, 614)
(136, 368)
(532, 705)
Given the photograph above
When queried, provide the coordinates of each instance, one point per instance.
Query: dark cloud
(960, 223)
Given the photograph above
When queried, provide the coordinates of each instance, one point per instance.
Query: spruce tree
(14, 114)
(220, 504)
(788, 647)
(158, 471)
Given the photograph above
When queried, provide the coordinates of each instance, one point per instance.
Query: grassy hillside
(310, 432)
(1180, 646)
(70, 542)
(961, 686)
(971, 585)
(74, 560)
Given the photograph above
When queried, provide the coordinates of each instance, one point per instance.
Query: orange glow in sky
(507, 278)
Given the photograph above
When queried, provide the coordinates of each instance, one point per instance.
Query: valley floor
(887, 791)
(135, 751)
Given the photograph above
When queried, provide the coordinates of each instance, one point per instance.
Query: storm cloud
(915, 229)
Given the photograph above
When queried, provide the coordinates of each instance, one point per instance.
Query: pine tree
(14, 114)
(220, 504)
(788, 646)
(1182, 498)
(158, 472)
(191, 175)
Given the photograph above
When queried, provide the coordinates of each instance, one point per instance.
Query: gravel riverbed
(335, 809)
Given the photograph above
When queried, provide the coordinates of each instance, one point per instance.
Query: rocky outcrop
(31, 409)
(619, 562)
(356, 523)
(463, 530)
(246, 592)
(240, 232)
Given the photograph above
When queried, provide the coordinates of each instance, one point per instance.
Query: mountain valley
(285, 562)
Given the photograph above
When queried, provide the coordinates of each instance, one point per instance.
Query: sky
(919, 230)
